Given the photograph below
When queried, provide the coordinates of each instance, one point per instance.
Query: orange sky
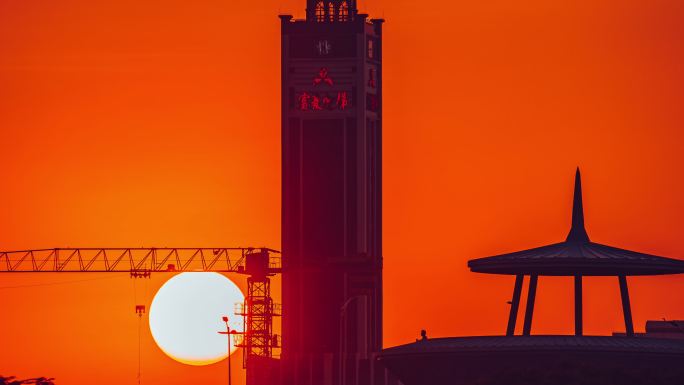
(128, 123)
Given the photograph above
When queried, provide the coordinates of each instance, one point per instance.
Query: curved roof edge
(577, 255)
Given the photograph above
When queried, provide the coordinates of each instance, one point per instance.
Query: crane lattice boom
(134, 260)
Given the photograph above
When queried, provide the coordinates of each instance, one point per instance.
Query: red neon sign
(323, 77)
(310, 101)
(342, 100)
(303, 101)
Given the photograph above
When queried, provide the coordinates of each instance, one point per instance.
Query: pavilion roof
(577, 255)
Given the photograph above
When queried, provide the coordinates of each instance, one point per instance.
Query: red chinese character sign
(322, 101)
(342, 100)
(303, 101)
(316, 103)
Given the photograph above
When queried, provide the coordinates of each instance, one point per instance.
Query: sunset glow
(157, 124)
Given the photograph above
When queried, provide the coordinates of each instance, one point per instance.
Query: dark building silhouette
(651, 358)
(665, 329)
(576, 257)
(661, 329)
(331, 195)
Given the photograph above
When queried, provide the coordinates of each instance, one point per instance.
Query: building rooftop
(538, 343)
(538, 360)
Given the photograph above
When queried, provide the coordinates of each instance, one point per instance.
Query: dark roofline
(529, 344)
(577, 255)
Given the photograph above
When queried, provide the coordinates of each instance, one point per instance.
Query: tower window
(331, 11)
(371, 50)
(320, 12)
(344, 11)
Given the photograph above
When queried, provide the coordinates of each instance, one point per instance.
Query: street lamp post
(343, 338)
(228, 332)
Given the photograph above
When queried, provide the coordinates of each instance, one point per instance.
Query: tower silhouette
(331, 195)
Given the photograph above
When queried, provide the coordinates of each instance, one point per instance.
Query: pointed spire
(577, 232)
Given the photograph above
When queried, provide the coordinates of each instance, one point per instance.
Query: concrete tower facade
(331, 195)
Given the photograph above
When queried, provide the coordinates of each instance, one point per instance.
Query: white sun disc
(186, 317)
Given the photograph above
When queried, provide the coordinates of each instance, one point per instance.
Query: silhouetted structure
(662, 329)
(258, 311)
(538, 360)
(576, 257)
(558, 360)
(331, 194)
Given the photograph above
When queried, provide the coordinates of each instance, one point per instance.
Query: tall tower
(331, 195)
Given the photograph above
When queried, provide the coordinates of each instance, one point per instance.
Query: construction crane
(259, 264)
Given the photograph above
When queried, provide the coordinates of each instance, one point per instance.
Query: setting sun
(186, 313)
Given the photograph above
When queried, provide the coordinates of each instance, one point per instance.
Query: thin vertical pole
(626, 307)
(227, 333)
(230, 377)
(139, 348)
(578, 305)
(341, 357)
(515, 304)
(529, 309)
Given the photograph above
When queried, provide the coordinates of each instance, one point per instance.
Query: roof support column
(578, 305)
(626, 307)
(515, 304)
(529, 308)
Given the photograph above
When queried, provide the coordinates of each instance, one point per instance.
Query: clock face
(323, 47)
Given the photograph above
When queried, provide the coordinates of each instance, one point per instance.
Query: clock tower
(331, 195)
